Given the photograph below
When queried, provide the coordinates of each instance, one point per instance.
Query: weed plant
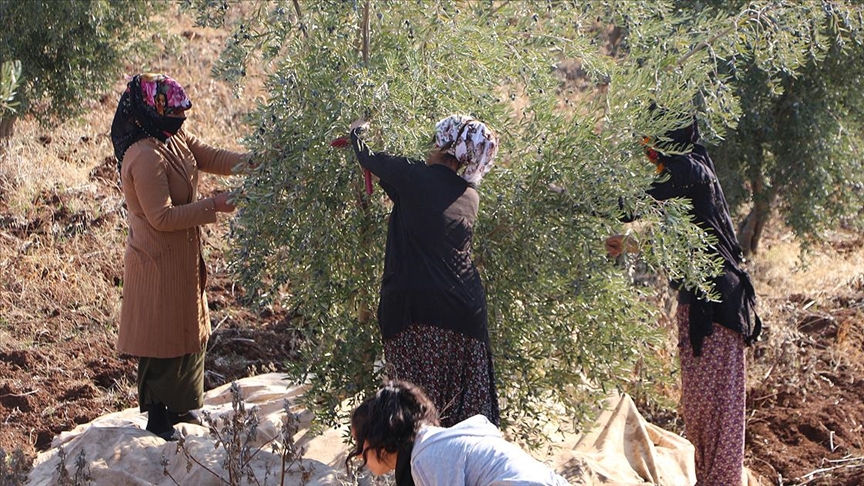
(237, 433)
(14, 467)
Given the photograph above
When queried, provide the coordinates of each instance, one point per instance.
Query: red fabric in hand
(340, 142)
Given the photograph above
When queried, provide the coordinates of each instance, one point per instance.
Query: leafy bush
(10, 78)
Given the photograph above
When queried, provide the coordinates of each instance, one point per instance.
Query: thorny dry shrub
(14, 468)
(81, 477)
(237, 435)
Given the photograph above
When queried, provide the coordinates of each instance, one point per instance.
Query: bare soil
(808, 427)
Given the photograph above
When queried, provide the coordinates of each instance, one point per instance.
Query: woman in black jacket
(432, 308)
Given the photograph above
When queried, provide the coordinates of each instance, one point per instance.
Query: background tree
(565, 323)
(69, 51)
(797, 145)
(10, 76)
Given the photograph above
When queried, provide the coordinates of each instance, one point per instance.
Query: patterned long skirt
(713, 403)
(454, 370)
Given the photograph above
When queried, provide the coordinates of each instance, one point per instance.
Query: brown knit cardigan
(164, 311)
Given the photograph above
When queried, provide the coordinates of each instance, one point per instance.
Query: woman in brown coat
(164, 317)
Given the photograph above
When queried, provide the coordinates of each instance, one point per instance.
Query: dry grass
(72, 217)
(38, 159)
(62, 237)
(825, 273)
(792, 286)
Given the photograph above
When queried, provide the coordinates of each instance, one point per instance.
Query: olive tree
(10, 75)
(797, 145)
(68, 51)
(566, 323)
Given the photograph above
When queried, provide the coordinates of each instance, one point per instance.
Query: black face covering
(170, 124)
(402, 475)
(681, 139)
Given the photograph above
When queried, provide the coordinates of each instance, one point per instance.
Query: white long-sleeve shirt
(474, 453)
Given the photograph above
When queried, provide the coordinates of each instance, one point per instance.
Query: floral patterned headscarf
(470, 141)
(145, 110)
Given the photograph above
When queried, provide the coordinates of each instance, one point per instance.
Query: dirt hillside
(62, 231)
(806, 379)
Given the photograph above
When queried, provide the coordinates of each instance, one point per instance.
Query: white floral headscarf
(470, 141)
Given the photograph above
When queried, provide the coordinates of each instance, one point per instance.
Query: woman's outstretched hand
(358, 123)
(363, 125)
(246, 166)
(342, 142)
(224, 202)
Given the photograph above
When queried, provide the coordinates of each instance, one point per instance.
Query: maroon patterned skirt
(453, 369)
(713, 404)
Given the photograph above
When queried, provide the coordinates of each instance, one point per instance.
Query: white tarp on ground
(622, 449)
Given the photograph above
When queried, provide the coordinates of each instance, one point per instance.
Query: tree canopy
(797, 145)
(566, 323)
(68, 50)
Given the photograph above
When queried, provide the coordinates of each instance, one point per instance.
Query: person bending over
(397, 429)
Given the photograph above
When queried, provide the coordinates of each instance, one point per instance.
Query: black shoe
(190, 417)
(158, 422)
(168, 435)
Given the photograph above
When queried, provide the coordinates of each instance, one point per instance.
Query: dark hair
(438, 156)
(389, 420)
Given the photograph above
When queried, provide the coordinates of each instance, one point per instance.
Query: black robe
(691, 175)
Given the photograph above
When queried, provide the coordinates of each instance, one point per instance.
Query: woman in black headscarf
(712, 335)
(164, 317)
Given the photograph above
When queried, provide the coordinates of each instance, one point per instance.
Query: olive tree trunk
(7, 128)
(750, 231)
